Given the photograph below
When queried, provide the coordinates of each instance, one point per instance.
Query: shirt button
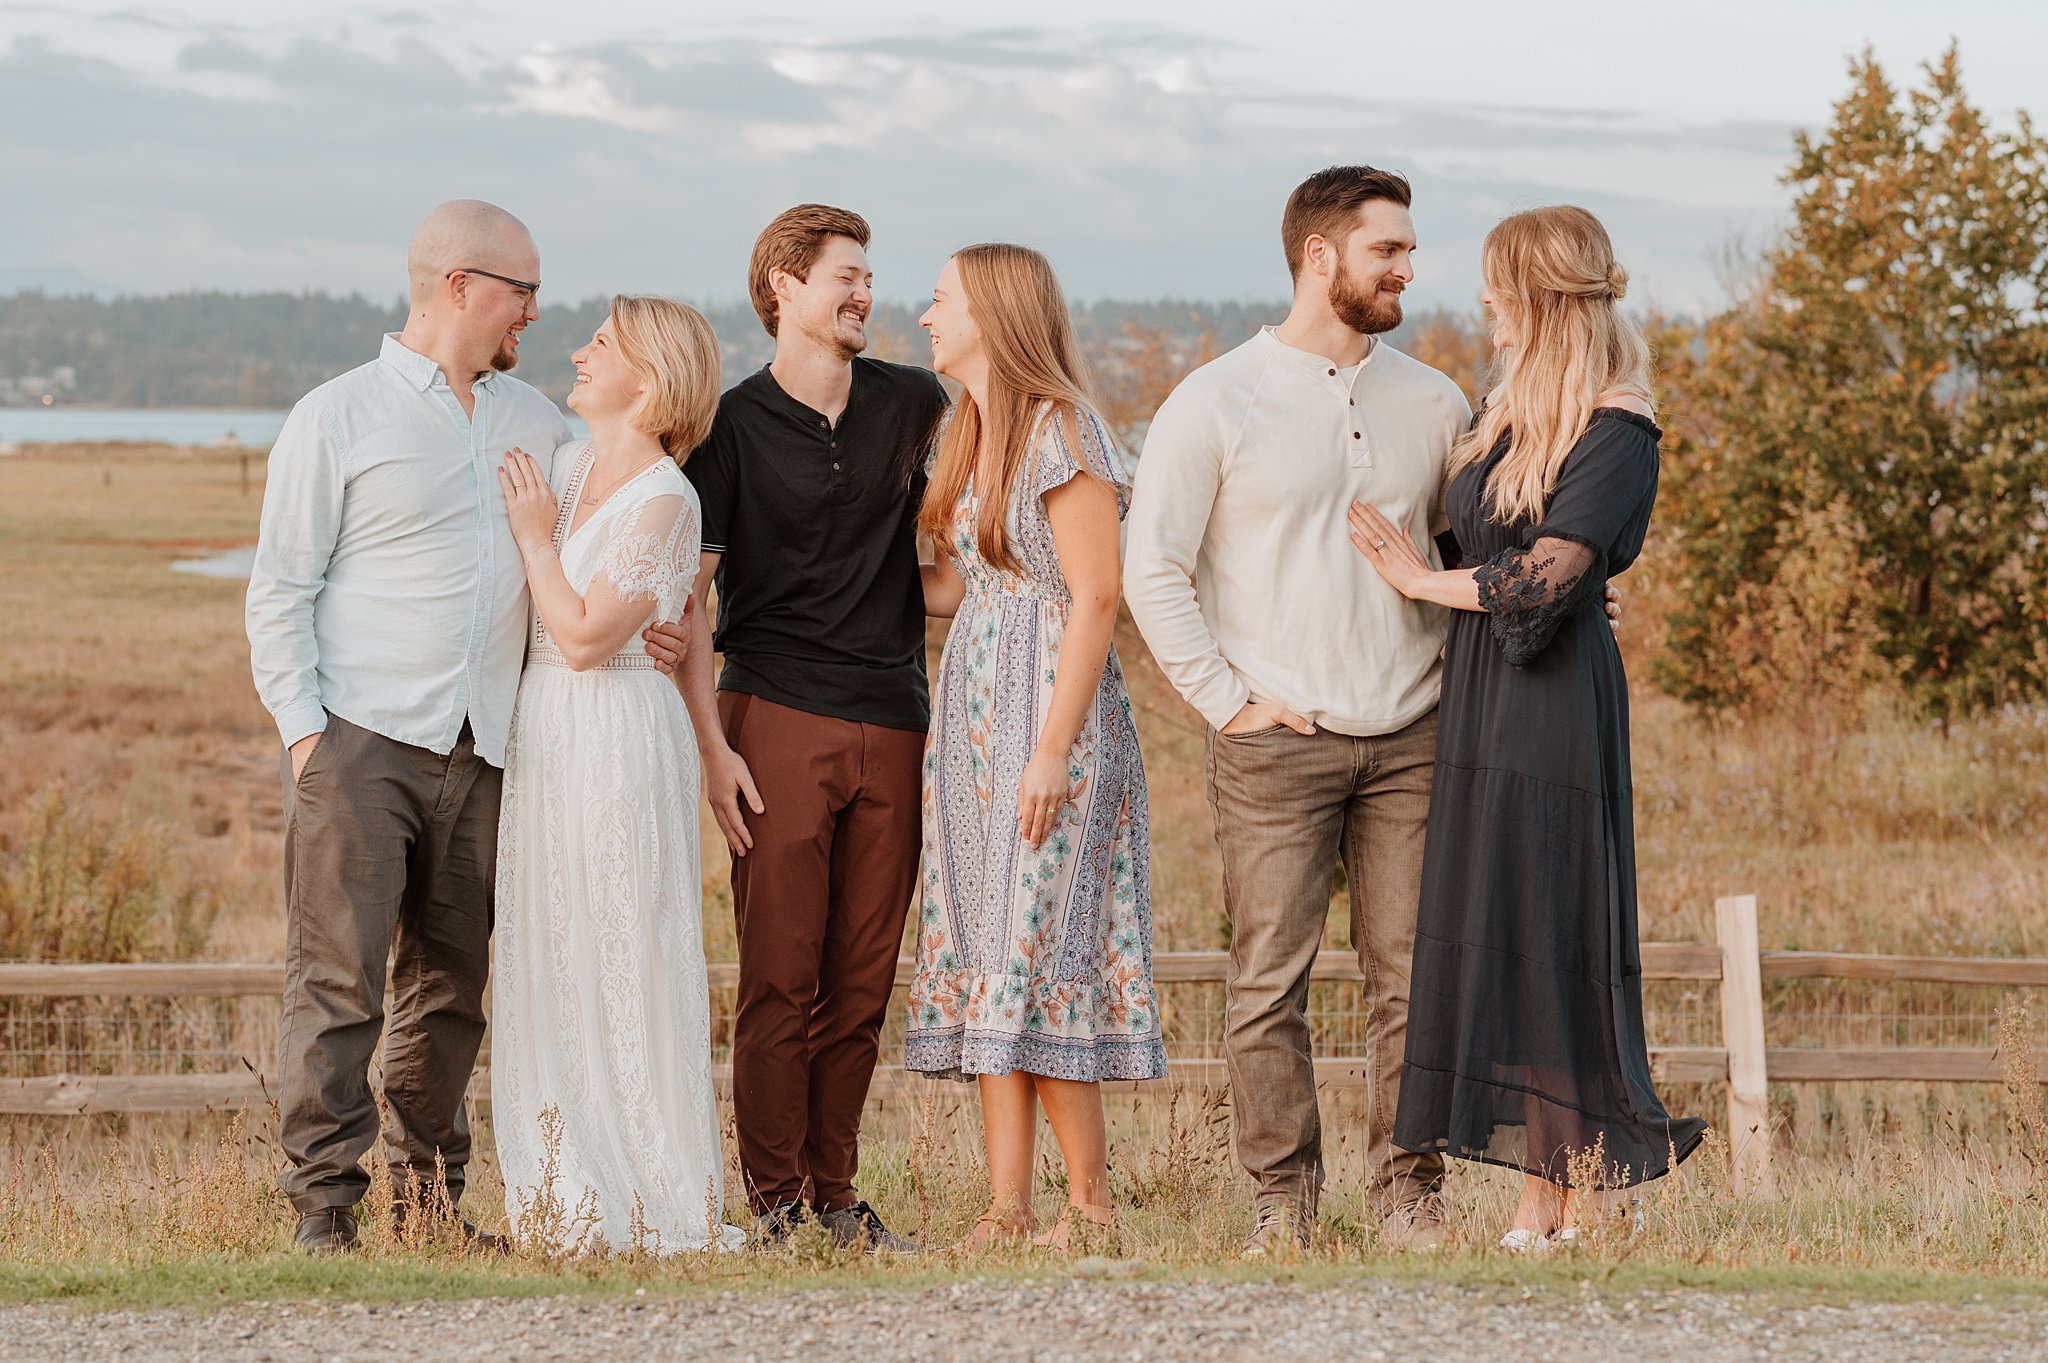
(824, 425)
(835, 466)
(1333, 373)
(1356, 436)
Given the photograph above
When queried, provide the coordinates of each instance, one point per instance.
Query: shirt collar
(776, 395)
(419, 371)
(1316, 365)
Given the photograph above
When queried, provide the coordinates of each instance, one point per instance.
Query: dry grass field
(130, 735)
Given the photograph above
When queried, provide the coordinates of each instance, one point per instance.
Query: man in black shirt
(810, 483)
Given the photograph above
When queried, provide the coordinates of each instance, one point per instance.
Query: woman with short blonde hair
(1034, 940)
(1525, 1021)
(675, 352)
(601, 1050)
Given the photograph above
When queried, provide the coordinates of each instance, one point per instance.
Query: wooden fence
(1734, 963)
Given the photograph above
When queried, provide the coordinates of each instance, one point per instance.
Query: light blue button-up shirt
(388, 589)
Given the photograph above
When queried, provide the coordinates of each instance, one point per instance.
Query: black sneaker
(773, 1227)
(857, 1227)
(331, 1230)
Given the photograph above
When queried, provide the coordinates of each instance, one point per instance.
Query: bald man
(387, 623)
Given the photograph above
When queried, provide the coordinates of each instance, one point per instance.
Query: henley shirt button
(1356, 436)
(1333, 373)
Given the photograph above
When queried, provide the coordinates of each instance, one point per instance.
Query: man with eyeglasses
(387, 620)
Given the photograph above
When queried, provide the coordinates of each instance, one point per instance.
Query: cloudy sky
(1147, 148)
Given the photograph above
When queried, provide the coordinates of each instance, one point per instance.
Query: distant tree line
(265, 350)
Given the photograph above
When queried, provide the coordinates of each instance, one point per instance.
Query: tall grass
(139, 817)
(124, 1196)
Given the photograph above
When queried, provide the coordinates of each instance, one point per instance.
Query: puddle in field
(234, 563)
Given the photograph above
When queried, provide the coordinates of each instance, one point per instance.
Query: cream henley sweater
(1240, 569)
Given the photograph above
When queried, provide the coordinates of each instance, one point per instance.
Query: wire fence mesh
(143, 1035)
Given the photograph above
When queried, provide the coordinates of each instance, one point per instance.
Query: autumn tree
(1135, 368)
(1859, 447)
(1458, 343)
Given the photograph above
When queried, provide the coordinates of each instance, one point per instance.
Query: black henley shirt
(820, 605)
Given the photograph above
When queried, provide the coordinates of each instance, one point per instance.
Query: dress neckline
(572, 496)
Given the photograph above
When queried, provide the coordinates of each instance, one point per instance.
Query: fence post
(1742, 1026)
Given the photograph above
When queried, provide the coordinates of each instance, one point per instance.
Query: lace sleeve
(651, 553)
(1529, 592)
(1592, 527)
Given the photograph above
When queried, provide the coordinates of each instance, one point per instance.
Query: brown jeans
(1287, 808)
(819, 904)
(389, 855)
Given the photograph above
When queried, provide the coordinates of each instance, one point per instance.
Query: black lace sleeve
(1528, 592)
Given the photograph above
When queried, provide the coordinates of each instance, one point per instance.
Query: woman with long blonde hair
(1034, 942)
(1525, 1025)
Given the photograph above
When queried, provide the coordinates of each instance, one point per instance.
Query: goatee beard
(1363, 312)
(505, 359)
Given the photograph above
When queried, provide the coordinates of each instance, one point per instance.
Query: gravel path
(1045, 1323)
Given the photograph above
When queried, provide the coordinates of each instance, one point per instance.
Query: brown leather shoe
(331, 1230)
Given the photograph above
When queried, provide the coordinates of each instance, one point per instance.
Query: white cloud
(288, 160)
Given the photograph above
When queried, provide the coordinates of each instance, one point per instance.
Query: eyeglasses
(532, 287)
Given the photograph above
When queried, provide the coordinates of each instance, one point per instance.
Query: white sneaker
(1521, 1241)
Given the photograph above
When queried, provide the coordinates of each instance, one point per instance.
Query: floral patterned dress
(1033, 960)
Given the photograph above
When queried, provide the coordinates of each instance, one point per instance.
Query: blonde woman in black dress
(1525, 1026)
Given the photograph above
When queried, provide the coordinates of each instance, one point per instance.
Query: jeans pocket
(1251, 733)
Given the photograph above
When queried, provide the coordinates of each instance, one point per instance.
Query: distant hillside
(265, 350)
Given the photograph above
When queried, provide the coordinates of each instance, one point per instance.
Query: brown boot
(331, 1230)
(1417, 1225)
(1283, 1228)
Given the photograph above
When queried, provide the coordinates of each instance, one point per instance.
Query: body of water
(233, 564)
(153, 425)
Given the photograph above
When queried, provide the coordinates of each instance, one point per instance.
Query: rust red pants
(819, 904)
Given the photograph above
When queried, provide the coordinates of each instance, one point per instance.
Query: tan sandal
(990, 1229)
(1098, 1225)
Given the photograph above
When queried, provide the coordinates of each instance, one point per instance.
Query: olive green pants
(390, 858)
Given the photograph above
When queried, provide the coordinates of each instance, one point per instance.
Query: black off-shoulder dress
(1525, 1022)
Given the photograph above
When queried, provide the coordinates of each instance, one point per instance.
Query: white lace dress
(601, 1036)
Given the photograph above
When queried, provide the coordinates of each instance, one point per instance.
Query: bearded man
(1319, 682)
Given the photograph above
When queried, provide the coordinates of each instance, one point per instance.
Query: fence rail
(1734, 963)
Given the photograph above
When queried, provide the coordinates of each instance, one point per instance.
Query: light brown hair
(1033, 359)
(792, 244)
(1326, 205)
(671, 346)
(1553, 275)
